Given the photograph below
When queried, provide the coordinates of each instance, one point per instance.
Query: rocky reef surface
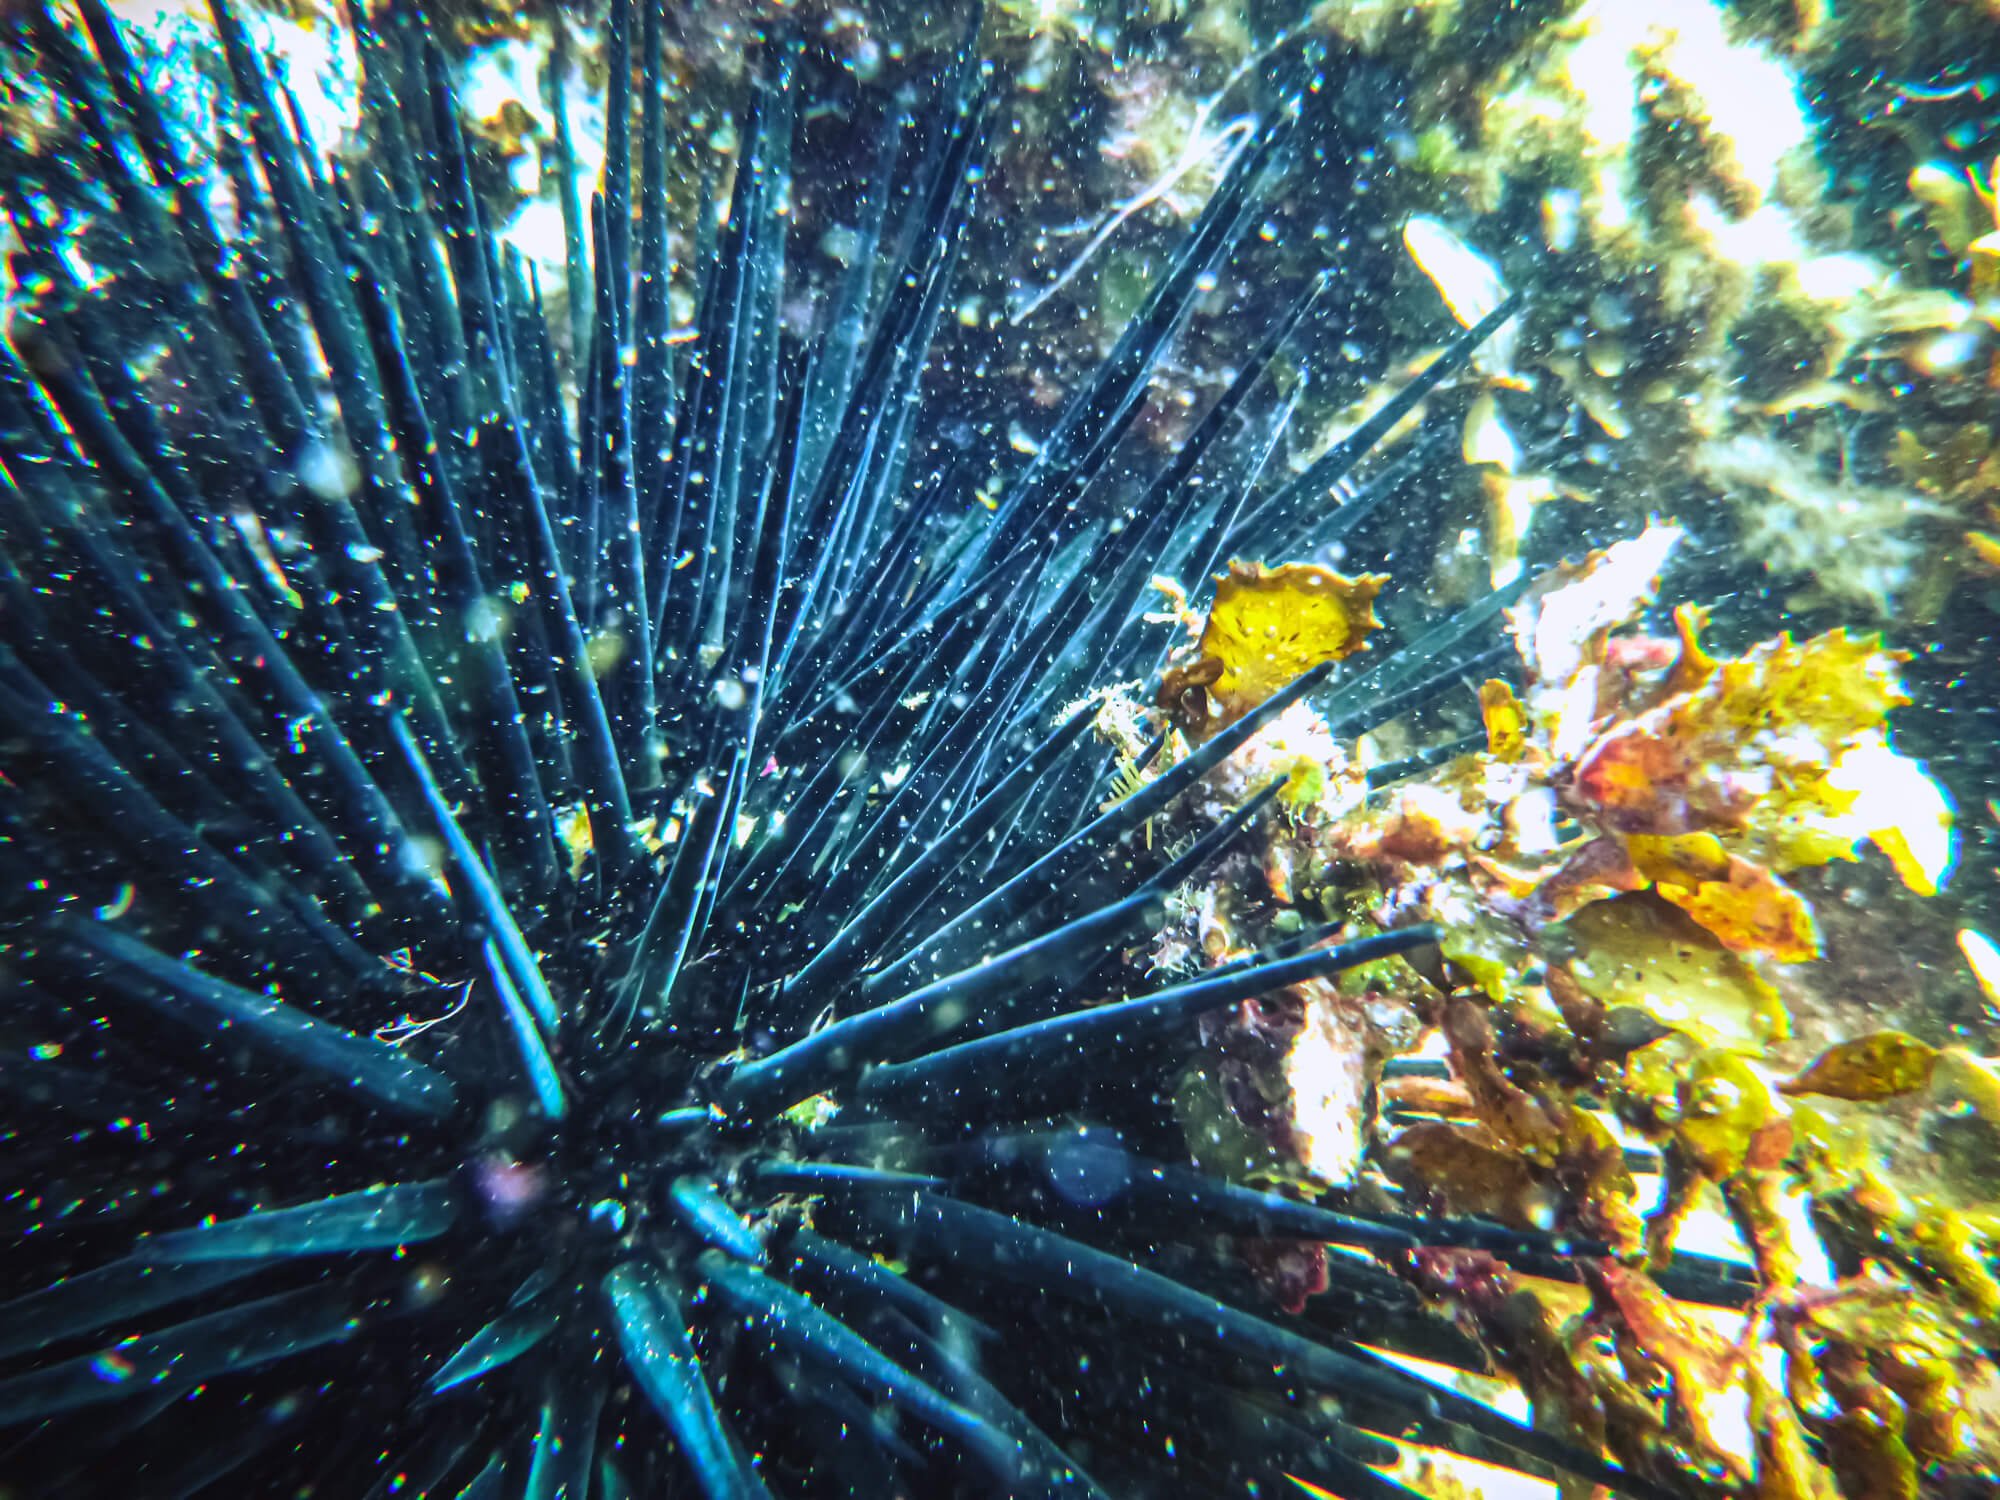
(1712, 846)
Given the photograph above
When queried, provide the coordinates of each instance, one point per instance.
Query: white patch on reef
(1902, 810)
(1469, 283)
(1327, 1073)
(1487, 439)
(1841, 277)
(509, 73)
(1751, 95)
(1531, 820)
(1555, 632)
(1983, 958)
(536, 230)
(1767, 236)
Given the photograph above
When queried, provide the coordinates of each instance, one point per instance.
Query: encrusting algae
(1629, 988)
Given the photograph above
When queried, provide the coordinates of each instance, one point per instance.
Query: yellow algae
(1881, 1065)
(1834, 684)
(1893, 1356)
(1305, 784)
(1684, 859)
(811, 1114)
(1723, 1104)
(1973, 1083)
(1704, 1367)
(1610, 873)
(1748, 909)
(1768, 762)
(1267, 625)
(1951, 207)
(574, 831)
(1270, 624)
(1489, 954)
(1693, 665)
(1636, 951)
(1466, 1169)
(1784, 709)
(1984, 250)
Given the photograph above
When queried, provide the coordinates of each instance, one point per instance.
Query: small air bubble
(486, 620)
(326, 473)
(424, 858)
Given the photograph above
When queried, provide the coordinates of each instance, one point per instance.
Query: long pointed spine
(653, 1331)
(491, 903)
(653, 368)
(1048, 872)
(193, 998)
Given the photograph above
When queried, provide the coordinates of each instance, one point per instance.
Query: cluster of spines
(784, 592)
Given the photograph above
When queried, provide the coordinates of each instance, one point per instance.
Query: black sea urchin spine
(363, 1146)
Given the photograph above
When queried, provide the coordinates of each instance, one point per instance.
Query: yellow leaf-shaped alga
(1267, 625)
(1880, 1065)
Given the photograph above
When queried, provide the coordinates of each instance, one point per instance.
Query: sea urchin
(592, 965)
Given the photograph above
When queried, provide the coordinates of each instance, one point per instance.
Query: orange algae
(1717, 789)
